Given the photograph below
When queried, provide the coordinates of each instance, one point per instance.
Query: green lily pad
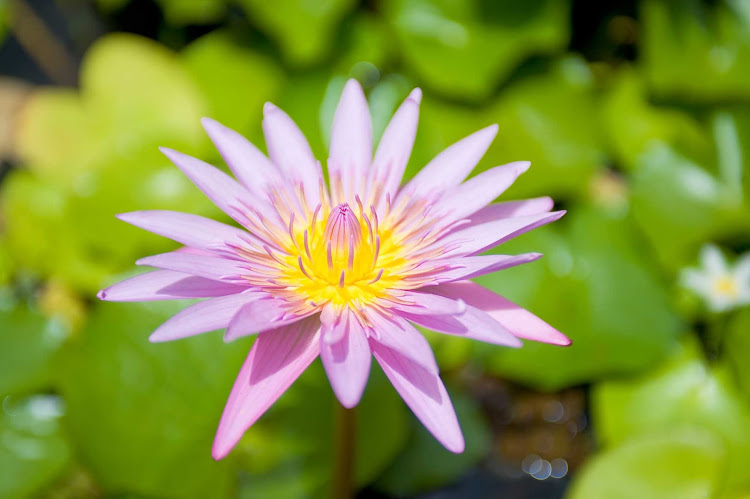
(683, 391)
(33, 448)
(595, 285)
(465, 49)
(144, 415)
(687, 464)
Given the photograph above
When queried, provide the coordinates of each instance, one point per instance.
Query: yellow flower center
(726, 286)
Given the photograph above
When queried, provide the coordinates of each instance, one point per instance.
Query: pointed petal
(251, 167)
(481, 237)
(479, 191)
(210, 267)
(166, 285)
(515, 319)
(397, 334)
(289, 150)
(276, 360)
(424, 393)
(453, 165)
(347, 361)
(418, 303)
(713, 260)
(473, 324)
(223, 190)
(510, 209)
(469, 267)
(395, 147)
(187, 229)
(208, 315)
(259, 316)
(351, 140)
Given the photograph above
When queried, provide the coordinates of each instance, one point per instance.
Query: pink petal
(473, 324)
(453, 165)
(418, 303)
(259, 316)
(347, 361)
(210, 267)
(251, 167)
(289, 150)
(397, 334)
(208, 315)
(424, 393)
(515, 319)
(395, 147)
(351, 141)
(277, 358)
(510, 209)
(219, 187)
(479, 191)
(187, 229)
(166, 285)
(481, 237)
(469, 267)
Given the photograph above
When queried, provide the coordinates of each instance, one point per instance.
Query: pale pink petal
(424, 393)
(453, 165)
(208, 315)
(289, 150)
(187, 229)
(251, 167)
(166, 285)
(479, 191)
(210, 267)
(347, 361)
(415, 302)
(510, 209)
(223, 190)
(259, 316)
(397, 334)
(395, 147)
(473, 324)
(277, 358)
(468, 267)
(351, 141)
(515, 319)
(481, 237)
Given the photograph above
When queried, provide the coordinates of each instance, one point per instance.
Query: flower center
(726, 286)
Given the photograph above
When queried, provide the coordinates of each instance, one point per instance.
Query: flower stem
(345, 435)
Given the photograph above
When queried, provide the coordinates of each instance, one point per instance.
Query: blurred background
(636, 117)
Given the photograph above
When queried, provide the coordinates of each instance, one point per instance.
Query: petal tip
(102, 295)
(269, 108)
(416, 95)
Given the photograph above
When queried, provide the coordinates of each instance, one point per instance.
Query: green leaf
(683, 391)
(464, 49)
(595, 285)
(303, 30)
(736, 348)
(689, 38)
(33, 449)
(184, 12)
(28, 343)
(426, 465)
(687, 463)
(236, 80)
(290, 452)
(143, 415)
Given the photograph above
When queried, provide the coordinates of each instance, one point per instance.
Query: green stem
(343, 471)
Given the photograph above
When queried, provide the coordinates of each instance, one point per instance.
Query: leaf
(686, 463)
(144, 415)
(290, 452)
(425, 465)
(683, 391)
(33, 449)
(465, 49)
(303, 30)
(595, 285)
(183, 12)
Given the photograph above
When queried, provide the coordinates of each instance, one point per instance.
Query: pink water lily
(342, 270)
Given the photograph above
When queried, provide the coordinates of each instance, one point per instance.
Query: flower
(722, 286)
(341, 272)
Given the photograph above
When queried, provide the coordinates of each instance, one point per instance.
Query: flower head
(341, 270)
(721, 285)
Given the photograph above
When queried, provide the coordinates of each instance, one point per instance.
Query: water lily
(342, 270)
(721, 285)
